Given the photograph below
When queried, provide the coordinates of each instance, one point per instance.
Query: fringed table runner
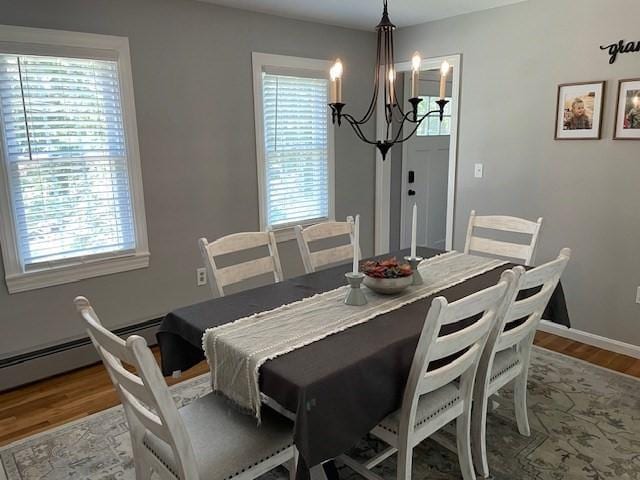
(235, 351)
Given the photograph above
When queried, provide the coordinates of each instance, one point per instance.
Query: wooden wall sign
(621, 47)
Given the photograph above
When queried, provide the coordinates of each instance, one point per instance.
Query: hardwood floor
(70, 396)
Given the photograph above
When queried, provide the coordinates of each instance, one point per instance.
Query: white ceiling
(364, 14)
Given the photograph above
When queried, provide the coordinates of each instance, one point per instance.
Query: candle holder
(336, 112)
(442, 103)
(355, 296)
(415, 101)
(414, 262)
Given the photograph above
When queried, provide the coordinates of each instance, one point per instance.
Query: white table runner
(235, 351)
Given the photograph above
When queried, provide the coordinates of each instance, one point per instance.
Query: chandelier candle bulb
(414, 225)
(415, 63)
(336, 81)
(414, 81)
(444, 71)
(356, 242)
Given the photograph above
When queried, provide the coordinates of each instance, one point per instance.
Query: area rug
(585, 424)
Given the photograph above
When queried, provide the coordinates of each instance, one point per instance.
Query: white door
(426, 168)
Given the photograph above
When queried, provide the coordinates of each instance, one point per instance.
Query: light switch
(477, 171)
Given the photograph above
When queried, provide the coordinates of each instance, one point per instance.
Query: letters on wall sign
(621, 47)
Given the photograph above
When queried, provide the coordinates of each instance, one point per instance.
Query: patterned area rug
(585, 424)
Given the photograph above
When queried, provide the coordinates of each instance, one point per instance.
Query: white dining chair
(505, 358)
(205, 440)
(219, 278)
(436, 394)
(323, 257)
(522, 252)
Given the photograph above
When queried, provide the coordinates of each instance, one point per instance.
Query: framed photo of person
(628, 110)
(579, 111)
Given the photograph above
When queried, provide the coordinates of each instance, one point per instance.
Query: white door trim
(383, 169)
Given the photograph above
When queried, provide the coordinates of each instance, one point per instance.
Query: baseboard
(47, 362)
(591, 339)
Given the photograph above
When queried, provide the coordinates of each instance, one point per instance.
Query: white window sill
(59, 275)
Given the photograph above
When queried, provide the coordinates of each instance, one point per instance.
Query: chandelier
(393, 111)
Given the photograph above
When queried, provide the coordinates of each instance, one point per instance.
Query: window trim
(35, 41)
(260, 62)
(429, 97)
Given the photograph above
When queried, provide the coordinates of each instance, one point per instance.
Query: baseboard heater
(46, 362)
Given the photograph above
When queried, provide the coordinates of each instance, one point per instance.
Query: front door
(425, 183)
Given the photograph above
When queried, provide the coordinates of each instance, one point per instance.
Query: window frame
(429, 97)
(36, 41)
(289, 65)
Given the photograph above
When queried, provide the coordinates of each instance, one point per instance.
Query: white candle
(415, 63)
(356, 243)
(336, 82)
(414, 225)
(414, 82)
(444, 71)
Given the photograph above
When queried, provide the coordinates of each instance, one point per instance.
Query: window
(70, 166)
(432, 126)
(294, 139)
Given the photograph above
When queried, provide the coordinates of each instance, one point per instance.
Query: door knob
(412, 192)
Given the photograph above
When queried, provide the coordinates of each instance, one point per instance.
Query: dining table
(339, 387)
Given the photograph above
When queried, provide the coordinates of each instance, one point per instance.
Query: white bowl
(387, 286)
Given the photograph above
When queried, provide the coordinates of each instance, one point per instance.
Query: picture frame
(627, 119)
(579, 111)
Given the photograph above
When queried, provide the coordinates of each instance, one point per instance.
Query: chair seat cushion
(505, 364)
(430, 405)
(225, 441)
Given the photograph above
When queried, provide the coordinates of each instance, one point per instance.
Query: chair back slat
(455, 342)
(331, 255)
(497, 247)
(147, 418)
(435, 379)
(325, 256)
(506, 224)
(542, 274)
(501, 223)
(243, 271)
(128, 381)
(147, 402)
(527, 306)
(219, 278)
(517, 335)
(323, 230)
(237, 242)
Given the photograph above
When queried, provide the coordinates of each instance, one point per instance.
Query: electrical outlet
(201, 276)
(478, 170)
(638, 295)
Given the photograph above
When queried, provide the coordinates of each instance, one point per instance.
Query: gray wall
(193, 87)
(587, 191)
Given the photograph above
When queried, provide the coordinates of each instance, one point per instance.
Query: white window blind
(65, 158)
(296, 149)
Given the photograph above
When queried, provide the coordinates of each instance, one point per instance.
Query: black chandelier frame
(385, 63)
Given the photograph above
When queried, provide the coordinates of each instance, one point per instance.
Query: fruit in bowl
(387, 276)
